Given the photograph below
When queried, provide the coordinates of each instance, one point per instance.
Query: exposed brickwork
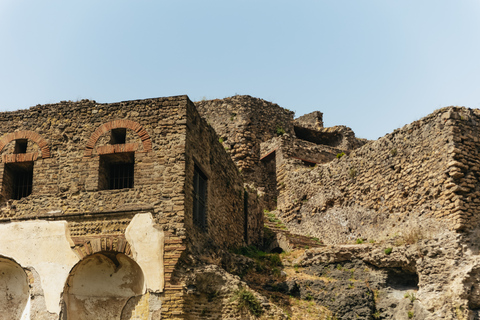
(428, 168)
(167, 137)
(225, 222)
(85, 246)
(251, 128)
(128, 124)
(29, 135)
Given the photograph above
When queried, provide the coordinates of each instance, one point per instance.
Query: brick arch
(29, 135)
(86, 246)
(129, 124)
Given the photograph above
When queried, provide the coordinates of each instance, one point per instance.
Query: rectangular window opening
(17, 180)
(118, 136)
(199, 198)
(116, 171)
(21, 146)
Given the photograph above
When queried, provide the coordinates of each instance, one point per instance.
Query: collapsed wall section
(243, 122)
(416, 170)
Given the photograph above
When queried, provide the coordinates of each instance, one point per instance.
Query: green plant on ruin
(359, 241)
(352, 172)
(220, 140)
(339, 155)
(393, 152)
(376, 315)
(411, 296)
(279, 131)
(410, 314)
(388, 251)
(264, 261)
(232, 116)
(246, 300)
(352, 275)
(296, 267)
(272, 218)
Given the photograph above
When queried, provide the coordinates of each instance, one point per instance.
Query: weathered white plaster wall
(100, 286)
(147, 243)
(13, 290)
(44, 246)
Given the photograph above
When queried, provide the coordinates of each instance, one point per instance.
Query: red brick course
(29, 135)
(128, 124)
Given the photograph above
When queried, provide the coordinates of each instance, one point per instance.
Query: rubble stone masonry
(429, 167)
(69, 145)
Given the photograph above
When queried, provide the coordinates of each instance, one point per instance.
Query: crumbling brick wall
(69, 143)
(243, 122)
(426, 168)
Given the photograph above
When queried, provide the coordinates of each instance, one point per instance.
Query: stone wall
(250, 129)
(147, 226)
(243, 122)
(462, 200)
(225, 211)
(312, 120)
(427, 169)
(308, 152)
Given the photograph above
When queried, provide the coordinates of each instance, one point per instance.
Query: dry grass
(410, 237)
(308, 310)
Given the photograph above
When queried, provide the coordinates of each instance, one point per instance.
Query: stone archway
(14, 292)
(101, 285)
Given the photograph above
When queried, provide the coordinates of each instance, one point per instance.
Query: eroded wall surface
(14, 289)
(426, 169)
(243, 122)
(45, 247)
(72, 207)
(39, 258)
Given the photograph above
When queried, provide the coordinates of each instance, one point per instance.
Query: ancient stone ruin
(168, 209)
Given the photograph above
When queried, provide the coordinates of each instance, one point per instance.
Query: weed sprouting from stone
(411, 296)
(247, 301)
(352, 172)
(280, 131)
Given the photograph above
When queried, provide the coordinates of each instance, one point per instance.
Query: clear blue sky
(371, 65)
